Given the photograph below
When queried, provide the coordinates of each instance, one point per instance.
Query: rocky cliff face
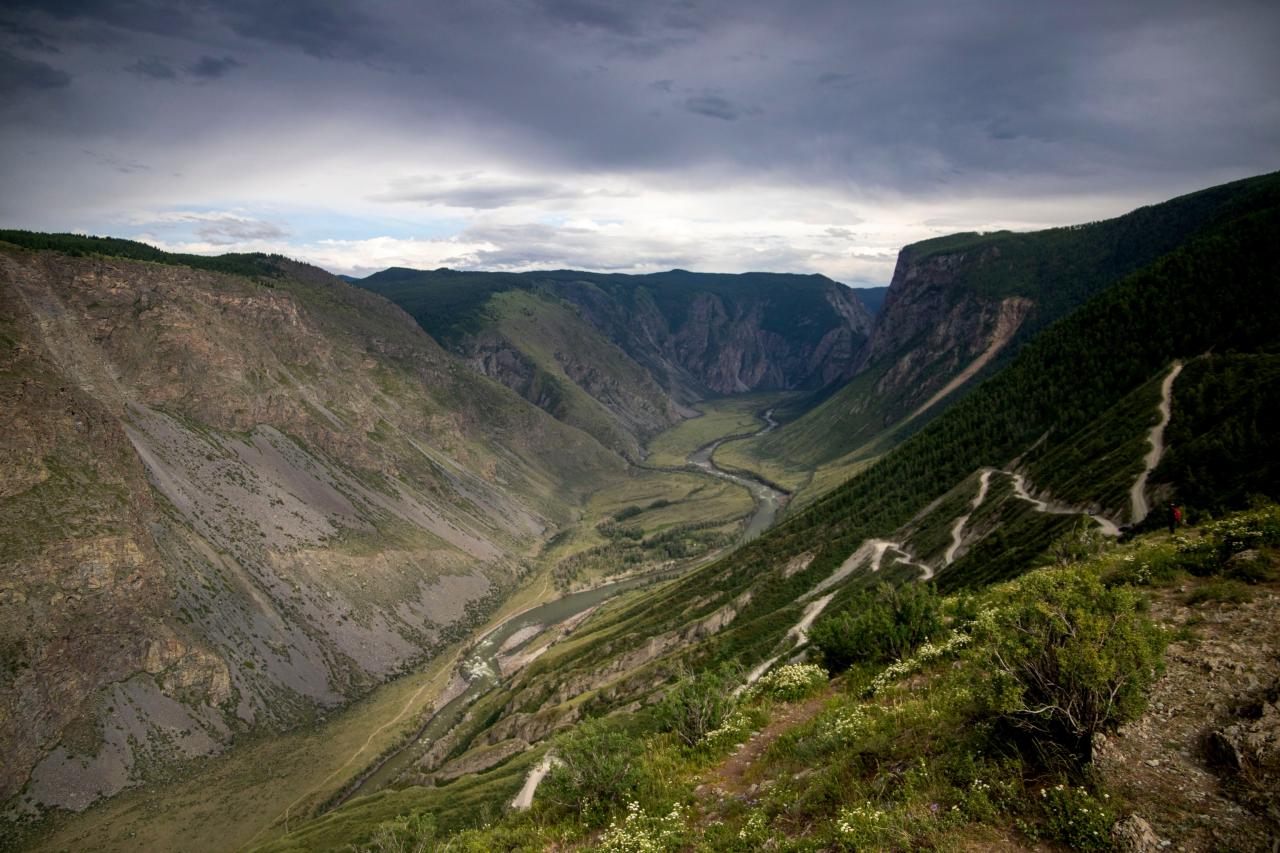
(232, 503)
(621, 356)
(932, 331)
(933, 334)
(959, 304)
(725, 341)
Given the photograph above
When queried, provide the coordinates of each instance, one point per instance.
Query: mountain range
(245, 498)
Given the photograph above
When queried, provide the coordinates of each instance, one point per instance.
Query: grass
(720, 417)
(453, 806)
(892, 759)
(905, 757)
(837, 426)
(1220, 590)
(1101, 462)
(231, 800)
(651, 502)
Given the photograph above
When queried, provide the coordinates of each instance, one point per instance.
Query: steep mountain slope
(960, 305)
(1218, 292)
(638, 346)
(914, 753)
(235, 497)
(873, 298)
(980, 493)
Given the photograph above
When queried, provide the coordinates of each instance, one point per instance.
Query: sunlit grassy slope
(729, 416)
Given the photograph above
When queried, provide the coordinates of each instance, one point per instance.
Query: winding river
(768, 498)
(480, 666)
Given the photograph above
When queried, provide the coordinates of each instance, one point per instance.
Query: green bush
(599, 770)
(884, 625)
(1259, 566)
(1077, 818)
(1070, 657)
(1152, 565)
(793, 682)
(410, 834)
(698, 704)
(1221, 540)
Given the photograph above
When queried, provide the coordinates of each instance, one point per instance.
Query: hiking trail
(957, 529)
(1139, 508)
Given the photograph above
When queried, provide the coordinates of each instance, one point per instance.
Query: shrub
(793, 681)
(698, 704)
(733, 731)
(1081, 543)
(1221, 540)
(644, 833)
(927, 653)
(865, 827)
(599, 769)
(1147, 566)
(884, 625)
(1077, 818)
(411, 834)
(1254, 566)
(1070, 657)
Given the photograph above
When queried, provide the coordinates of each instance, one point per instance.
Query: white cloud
(637, 226)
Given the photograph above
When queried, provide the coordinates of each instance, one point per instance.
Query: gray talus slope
(232, 503)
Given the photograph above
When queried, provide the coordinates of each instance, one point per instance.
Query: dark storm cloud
(18, 74)
(874, 93)
(115, 163)
(151, 16)
(991, 98)
(26, 38)
(327, 29)
(716, 106)
(616, 18)
(156, 69)
(212, 67)
(204, 68)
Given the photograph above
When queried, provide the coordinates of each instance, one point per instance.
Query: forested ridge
(252, 265)
(1216, 293)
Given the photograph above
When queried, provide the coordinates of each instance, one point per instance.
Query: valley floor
(262, 787)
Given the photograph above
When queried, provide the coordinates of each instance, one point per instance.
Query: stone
(1222, 750)
(1134, 835)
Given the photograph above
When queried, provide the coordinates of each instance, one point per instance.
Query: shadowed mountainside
(621, 356)
(235, 500)
(961, 306)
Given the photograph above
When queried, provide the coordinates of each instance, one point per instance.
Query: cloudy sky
(619, 134)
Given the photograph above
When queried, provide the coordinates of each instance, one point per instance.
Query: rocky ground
(1197, 771)
(1199, 768)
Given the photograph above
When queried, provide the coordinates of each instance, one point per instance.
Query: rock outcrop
(933, 335)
